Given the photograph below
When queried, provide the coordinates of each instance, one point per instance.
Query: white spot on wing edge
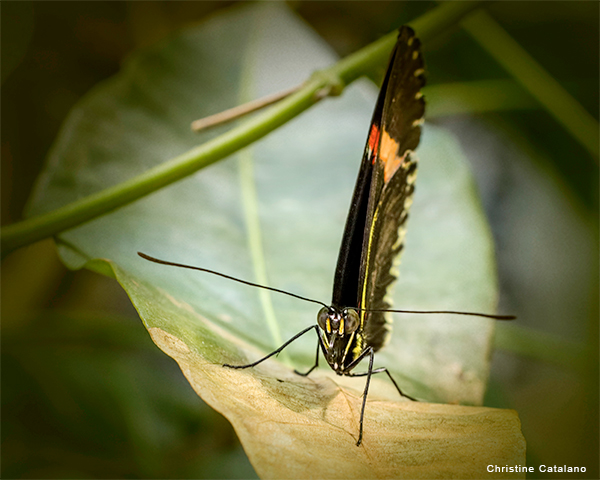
(410, 179)
(401, 235)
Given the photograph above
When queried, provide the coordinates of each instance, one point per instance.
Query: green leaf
(275, 214)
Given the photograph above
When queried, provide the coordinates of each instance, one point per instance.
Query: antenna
(182, 265)
(173, 264)
(474, 314)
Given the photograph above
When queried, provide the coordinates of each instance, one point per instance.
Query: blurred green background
(85, 394)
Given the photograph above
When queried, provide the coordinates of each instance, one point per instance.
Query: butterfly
(355, 325)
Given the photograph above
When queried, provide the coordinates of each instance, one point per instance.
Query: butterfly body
(355, 325)
(374, 232)
(340, 337)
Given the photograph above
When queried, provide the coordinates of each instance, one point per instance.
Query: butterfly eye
(322, 318)
(351, 321)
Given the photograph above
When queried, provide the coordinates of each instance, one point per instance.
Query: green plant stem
(331, 81)
(551, 95)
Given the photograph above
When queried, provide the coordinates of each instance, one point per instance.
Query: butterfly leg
(383, 369)
(295, 337)
(368, 351)
(316, 362)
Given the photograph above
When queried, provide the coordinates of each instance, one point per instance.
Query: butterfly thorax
(340, 336)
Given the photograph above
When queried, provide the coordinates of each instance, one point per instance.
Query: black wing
(385, 242)
(383, 189)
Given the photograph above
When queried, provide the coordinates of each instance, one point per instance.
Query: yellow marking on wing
(359, 347)
(348, 346)
(366, 279)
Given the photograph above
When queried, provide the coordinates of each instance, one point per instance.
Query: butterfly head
(337, 329)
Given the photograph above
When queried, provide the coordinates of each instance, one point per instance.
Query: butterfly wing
(392, 184)
(374, 229)
(382, 249)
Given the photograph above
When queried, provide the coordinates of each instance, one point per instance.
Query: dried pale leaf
(313, 423)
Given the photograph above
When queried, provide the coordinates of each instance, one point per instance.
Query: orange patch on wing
(373, 140)
(388, 153)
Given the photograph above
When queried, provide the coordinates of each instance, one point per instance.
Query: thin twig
(241, 110)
